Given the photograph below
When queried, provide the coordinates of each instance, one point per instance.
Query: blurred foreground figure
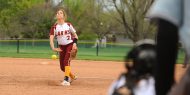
(138, 78)
(172, 16)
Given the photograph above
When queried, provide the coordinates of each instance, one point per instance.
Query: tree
(100, 22)
(76, 10)
(10, 11)
(36, 22)
(89, 17)
(132, 15)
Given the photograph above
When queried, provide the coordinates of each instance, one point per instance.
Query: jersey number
(68, 37)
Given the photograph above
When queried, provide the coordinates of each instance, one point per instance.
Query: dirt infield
(26, 76)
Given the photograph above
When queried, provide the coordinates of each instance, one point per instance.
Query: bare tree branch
(132, 14)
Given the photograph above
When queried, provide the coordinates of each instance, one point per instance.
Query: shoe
(66, 81)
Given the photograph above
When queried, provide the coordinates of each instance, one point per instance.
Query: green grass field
(83, 53)
(41, 49)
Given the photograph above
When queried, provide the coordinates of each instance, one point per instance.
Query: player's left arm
(74, 36)
(74, 48)
(75, 39)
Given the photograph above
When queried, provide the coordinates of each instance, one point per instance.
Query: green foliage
(87, 36)
(76, 11)
(91, 18)
(10, 12)
(37, 22)
(89, 15)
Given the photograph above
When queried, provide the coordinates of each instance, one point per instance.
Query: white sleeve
(72, 29)
(112, 88)
(145, 87)
(116, 84)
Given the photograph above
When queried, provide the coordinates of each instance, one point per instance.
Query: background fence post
(18, 41)
(97, 49)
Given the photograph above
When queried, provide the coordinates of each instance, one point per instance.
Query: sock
(66, 78)
(67, 71)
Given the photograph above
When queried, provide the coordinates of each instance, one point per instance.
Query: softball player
(67, 40)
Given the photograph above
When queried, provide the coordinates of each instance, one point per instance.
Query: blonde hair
(64, 13)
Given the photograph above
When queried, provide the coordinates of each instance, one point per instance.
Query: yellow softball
(53, 56)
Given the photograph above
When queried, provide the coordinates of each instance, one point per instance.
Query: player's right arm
(51, 40)
(52, 44)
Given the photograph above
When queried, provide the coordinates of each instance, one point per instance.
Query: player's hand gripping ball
(54, 57)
